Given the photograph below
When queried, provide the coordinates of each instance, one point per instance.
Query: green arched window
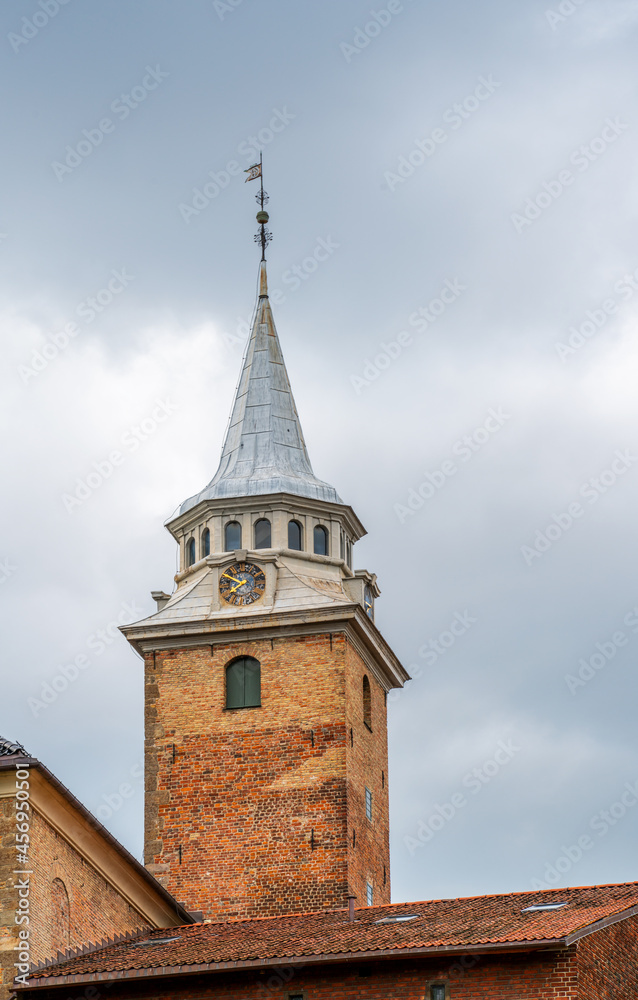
(243, 683)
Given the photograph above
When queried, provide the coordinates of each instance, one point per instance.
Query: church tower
(266, 678)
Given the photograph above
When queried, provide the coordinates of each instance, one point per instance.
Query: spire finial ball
(262, 217)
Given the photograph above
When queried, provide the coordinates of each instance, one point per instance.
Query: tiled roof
(483, 922)
(9, 749)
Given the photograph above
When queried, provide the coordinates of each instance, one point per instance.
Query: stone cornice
(146, 637)
(270, 556)
(228, 506)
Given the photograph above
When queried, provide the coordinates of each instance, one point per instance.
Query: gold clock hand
(233, 578)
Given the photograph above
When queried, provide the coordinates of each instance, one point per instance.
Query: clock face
(242, 584)
(368, 602)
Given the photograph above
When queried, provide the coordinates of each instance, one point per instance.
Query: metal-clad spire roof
(264, 450)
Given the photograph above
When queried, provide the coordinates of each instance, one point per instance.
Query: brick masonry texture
(607, 963)
(535, 976)
(367, 767)
(70, 903)
(253, 812)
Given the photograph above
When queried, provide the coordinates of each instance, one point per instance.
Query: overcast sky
(455, 186)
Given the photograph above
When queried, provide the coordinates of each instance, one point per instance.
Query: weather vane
(264, 235)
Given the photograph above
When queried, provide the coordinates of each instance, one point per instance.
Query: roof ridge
(386, 906)
(276, 916)
(412, 902)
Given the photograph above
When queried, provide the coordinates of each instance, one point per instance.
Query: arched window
(367, 703)
(205, 542)
(294, 535)
(190, 552)
(321, 540)
(349, 552)
(232, 536)
(262, 533)
(243, 683)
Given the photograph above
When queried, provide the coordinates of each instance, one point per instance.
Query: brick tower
(266, 679)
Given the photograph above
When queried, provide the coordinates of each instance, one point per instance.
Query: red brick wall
(537, 976)
(367, 767)
(70, 903)
(248, 793)
(608, 963)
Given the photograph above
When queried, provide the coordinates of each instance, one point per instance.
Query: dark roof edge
(8, 763)
(600, 925)
(172, 971)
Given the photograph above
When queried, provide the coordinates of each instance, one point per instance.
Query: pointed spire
(263, 280)
(264, 450)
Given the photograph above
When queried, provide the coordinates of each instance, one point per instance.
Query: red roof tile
(445, 924)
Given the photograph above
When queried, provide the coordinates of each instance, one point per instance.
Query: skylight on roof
(164, 940)
(538, 907)
(402, 919)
